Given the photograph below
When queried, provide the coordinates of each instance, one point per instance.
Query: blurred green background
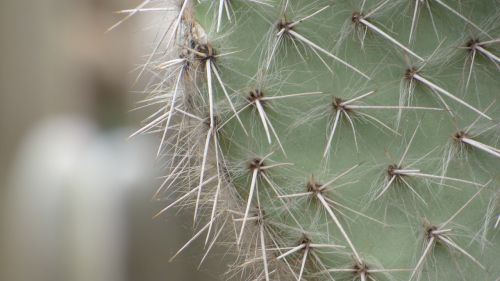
(75, 192)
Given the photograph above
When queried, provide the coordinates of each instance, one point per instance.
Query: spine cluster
(332, 140)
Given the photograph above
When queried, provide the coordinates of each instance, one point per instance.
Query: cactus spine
(334, 140)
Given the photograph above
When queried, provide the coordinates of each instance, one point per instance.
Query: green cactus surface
(333, 140)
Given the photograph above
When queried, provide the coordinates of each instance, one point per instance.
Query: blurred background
(75, 192)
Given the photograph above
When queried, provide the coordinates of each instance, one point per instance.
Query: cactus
(333, 140)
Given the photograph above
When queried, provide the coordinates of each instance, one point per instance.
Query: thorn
(339, 226)
(470, 68)
(429, 246)
(202, 172)
(212, 244)
(414, 21)
(296, 195)
(355, 212)
(150, 125)
(324, 186)
(217, 191)
(455, 246)
(170, 113)
(386, 187)
(413, 190)
(291, 25)
(411, 173)
(291, 95)
(486, 148)
(303, 265)
(263, 119)
(363, 276)
(462, 208)
(263, 248)
(409, 145)
(462, 17)
(388, 37)
(391, 107)
(330, 139)
(275, 135)
(210, 93)
(183, 197)
(191, 240)
(353, 131)
(175, 26)
(318, 48)
(131, 14)
(249, 202)
(219, 18)
(379, 122)
(139, 10)
(228, 98)
(356, 98)
(435, 87)
(331, 246)
(291, 251)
